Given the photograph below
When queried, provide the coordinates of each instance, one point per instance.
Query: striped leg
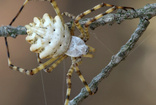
(38, 59)
(54, 65)
(68, 15)
(68, 81)
(26, 1)
(74, 66)
(80, 16)
(7, 46)
(94, 19)
(76, 61)
(35, 70)
(73, 24)
(57, 10)
(89, 53)
(82, 79)
(5, 38)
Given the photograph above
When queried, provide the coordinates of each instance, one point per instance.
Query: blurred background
(132, 82)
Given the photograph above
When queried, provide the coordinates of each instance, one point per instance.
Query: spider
(51, 38)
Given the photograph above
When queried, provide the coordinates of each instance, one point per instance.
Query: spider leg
(82, 78)
(5, 38)
(38, 59)
(68, 15)
(72, 28)
(89, 53)
(80, 16)
(20, 10)
(91, 49)
(94, 19)
(75, 63)
(57, 10)
(68, 81)
(54, 65)
(35, 70)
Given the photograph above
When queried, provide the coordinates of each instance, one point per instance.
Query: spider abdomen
(48, 36)
(77, 47)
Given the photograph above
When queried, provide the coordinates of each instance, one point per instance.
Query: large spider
(51, 38)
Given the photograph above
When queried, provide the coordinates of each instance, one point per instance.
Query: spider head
(48, 36)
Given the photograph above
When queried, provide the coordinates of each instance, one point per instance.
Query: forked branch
(116, 59)
(145, 13)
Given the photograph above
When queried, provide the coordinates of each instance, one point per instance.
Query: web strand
(103, 44)
(63, 80)
(110, 51)
(43, 87)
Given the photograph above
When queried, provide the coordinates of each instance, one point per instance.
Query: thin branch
(145, 13)
(6, 31)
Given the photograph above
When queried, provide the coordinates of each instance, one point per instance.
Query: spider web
(111, 51)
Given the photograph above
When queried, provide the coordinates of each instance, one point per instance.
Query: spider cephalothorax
(48, 36)
(51, 38)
